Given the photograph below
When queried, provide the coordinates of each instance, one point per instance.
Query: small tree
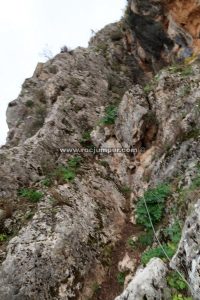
(64, 49)
(47, 53)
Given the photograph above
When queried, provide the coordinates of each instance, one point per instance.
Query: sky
(30, 28)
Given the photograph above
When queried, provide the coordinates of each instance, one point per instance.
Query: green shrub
(146, 239)
(155, 199)
(175, 281)
(46, 182)
(174, 233)
(74, 163)
(3, 237)
(64, 173)
(121, 278)
(180, 297)
(86, 140)
(110, 115)
(192, 134)
(86, 137)
(68, 173)
(195, 183)
(131, 243)
(182, 69)
(31, 195)
(187, 71)
(148, 88)
(157, 252)
(187, 192)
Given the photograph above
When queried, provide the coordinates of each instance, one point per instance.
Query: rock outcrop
(187, 257)
(148, 283)
(66, 206)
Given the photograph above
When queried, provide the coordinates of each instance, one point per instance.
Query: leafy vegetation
(74, 162)
(157, 252)
(46, 182)
(3, 237)
(64, 173)
(175, 281)
(180, 297)
(183, 70)
(86, 137)
(195, 183)
(192, 134)
(146, 239)
(131, 243)
(68, 173)
(86, 140)
(148, 88)
(172, 235)
(188, 192)
(110, 115)
(31, 195)
(121, 278)
(155, 199)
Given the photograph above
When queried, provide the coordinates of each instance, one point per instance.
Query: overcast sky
(27, 27)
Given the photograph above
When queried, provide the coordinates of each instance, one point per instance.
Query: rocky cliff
(100, 175)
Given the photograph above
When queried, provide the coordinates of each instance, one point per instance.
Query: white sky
(27, 27)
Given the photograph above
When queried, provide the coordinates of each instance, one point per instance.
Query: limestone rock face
(186, 15)
(47, 255)
(181, 24)
(187, 256)
(60, 246)
(148, 283)
(130, 124)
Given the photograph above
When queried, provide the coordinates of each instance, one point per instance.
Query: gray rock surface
(148, 283)
(187, 256)
(53, 245)
(62, 241)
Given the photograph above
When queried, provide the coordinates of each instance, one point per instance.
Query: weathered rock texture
(149, 283)
(180, 19)
(186, 14)
(187, 256)
(58, 248)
